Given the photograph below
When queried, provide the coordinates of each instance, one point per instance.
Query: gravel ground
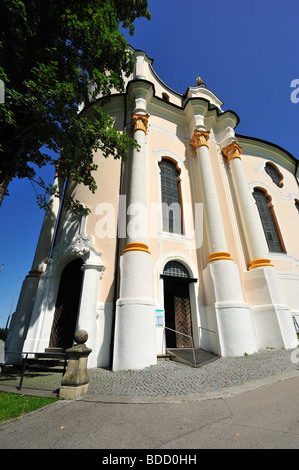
(169, 378)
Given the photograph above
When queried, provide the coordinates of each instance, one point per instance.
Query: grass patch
(13, 405)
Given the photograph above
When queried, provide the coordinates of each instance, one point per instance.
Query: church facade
(190, 241)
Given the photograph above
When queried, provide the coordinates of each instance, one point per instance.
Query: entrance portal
(177, 305)
(66, 310)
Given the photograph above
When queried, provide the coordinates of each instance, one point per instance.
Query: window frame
(275, 221)
(277, 171)
(179, 181)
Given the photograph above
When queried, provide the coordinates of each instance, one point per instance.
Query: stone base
(73, 392)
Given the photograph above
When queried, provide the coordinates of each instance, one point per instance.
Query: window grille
(268, 221)
(175, 269)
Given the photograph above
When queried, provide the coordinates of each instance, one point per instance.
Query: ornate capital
(232, 151)
(34, 273)
(200, 138)
(139, 121)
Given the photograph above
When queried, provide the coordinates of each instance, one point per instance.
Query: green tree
(51, 51)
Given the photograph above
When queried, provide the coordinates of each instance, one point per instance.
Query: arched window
(268, 219)
(171, 197)
(274, 174)
(297, 205)
(175, 269)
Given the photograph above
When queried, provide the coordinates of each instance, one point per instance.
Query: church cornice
(268, 150)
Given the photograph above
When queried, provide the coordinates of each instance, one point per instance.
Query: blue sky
(247, 53)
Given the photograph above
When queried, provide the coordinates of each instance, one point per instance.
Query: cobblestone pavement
(169, 378)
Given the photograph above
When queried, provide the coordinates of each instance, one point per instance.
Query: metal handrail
(167, 328)
(26, 353)
(217, 338)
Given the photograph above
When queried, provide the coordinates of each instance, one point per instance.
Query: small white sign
(159, 317)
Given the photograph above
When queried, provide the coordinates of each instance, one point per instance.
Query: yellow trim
(34, 273)
(136, 246)
(219, 255)
(200, 139)
(139, 121)
(256, 263)
(232, 151)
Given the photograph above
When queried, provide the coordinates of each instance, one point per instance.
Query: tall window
(268, 220)
(171, 197)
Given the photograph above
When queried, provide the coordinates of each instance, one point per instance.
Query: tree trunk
(4, 182)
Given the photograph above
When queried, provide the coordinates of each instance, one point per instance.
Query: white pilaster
(48, 228)
(87, 312)
(216, 235)
(255, 238)
(134, 338)
(22, 317)
(222, 285)
(272, 317)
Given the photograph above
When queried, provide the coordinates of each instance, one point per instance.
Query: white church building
(192, 240)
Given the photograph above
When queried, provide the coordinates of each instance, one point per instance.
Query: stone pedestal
(75, 382)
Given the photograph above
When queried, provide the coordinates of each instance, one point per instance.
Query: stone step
(185, 356)
(52, 359)
(163, 357)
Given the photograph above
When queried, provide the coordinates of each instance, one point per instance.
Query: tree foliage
(51, 51)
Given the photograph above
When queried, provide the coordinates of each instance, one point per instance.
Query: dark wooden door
(67, 303)
(182, 314)
(177, 313)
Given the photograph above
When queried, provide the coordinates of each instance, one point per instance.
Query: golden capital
(34, 273)
(200, 138)
(58, 171)
(139, 121)
(233, 150)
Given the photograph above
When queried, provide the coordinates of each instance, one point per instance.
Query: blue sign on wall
(159, 317)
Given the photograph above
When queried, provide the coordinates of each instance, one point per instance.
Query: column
(137, 197)
(48, 228)
(87, 312)
(272, 317)
(216, 235)
(226, 309)
(134, 340)
(255, 238)
(21, 318)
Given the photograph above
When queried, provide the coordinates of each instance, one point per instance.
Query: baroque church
(192, 241)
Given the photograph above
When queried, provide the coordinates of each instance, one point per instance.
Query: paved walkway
(169, 380)
(145, 430)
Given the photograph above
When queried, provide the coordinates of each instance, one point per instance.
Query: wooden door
(182, 314)
(177, 313)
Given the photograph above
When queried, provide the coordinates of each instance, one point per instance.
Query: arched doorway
(177, 306)
(67, 303)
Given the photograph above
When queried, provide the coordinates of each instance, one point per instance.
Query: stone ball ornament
(81, 336)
